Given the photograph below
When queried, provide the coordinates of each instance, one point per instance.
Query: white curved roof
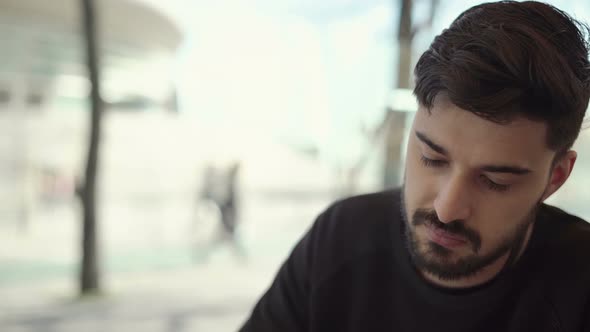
(120, 20)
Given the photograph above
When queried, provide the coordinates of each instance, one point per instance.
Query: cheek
(499, 220)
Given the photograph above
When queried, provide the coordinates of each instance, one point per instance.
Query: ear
(560, 173)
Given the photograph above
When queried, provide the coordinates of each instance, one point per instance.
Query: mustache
(457, 227)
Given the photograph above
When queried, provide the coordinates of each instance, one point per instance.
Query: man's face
(471, 188)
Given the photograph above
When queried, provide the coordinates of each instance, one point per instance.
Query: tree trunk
(396, 119)
(405, 36)
(89, 274)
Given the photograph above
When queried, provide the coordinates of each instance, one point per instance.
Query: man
(220, 188)
(467, 244)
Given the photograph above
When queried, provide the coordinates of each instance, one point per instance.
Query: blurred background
(225, 127)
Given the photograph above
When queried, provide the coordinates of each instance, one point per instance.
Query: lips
(444, 238)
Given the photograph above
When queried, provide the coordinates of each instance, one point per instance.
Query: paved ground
(212, 297)
(155, 286)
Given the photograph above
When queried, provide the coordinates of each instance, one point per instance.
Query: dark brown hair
(506, 59)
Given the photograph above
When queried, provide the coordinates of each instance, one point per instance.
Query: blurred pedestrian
(220, 191)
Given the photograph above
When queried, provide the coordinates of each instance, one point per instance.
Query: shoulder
(354, 227)
(564, 256)
(564, 252)
(360, 216)
(567, 238)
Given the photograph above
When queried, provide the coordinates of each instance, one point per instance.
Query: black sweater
(352, 272)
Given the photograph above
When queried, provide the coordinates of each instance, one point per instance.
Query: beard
(437, 260)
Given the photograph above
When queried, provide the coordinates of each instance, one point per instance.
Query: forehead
(467, 136)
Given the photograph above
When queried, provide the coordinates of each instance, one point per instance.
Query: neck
(487, 273)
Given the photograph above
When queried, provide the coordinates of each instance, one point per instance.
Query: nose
(453, 201)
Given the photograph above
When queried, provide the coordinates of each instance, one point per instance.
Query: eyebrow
(431, 144)
(487, 168)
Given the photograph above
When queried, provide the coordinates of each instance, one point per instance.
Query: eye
(493, 185)
(432, 162)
